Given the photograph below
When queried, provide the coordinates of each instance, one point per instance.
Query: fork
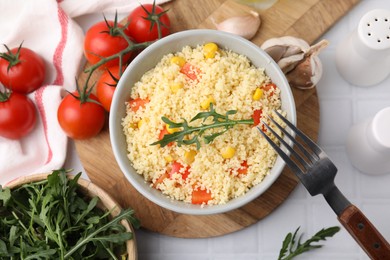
(317, 173)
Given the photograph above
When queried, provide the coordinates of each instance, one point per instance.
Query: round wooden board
(99, 162)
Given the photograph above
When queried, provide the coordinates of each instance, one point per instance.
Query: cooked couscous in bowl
(180, 86)
(191, 125)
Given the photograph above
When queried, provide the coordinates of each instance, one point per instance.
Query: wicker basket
(91, 190)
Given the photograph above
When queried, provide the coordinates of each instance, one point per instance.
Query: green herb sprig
(51, 219)
(192, 133)
(291, 247)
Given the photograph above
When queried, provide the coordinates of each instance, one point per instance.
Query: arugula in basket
(51, 219)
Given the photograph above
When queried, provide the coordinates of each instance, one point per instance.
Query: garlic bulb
(245, 26)
(298, 60)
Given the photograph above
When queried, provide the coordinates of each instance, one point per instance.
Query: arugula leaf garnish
(192, 133)
(291, 247)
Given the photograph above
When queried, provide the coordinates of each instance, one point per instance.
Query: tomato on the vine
(80, 119)
(106, 85)
(21, 70)
(17, 115)
(103, 40)
(143, 23)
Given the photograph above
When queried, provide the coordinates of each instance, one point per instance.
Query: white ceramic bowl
(145, 61)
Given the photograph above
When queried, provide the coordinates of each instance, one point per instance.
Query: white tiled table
(341, 105)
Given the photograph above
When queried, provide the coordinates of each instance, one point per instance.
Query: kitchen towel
(47, 27)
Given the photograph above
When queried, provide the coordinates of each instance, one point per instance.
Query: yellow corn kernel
(205, 104)
(258, 94)
(168, 158)
(189, 156)
(171, 130)
(210, 49)
(180, 61)
(176, 86)
(140, 123)
(228, 152)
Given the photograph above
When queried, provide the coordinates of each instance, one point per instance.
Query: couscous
(183, 84)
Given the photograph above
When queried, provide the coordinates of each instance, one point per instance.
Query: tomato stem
(132, 46)
(114, 78)
(12, 58)
(4, 95)
(113, 30)
(154, 18)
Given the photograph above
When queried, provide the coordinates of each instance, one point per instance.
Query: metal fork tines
(311, 165)
(317, 173)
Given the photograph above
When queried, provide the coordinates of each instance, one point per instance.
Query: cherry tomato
(243, 168)
(22, 70)
(102, 40)
(106, 86)
(269, 88)
(163, 132)
(257, 119)
(200, 196)
(160, 180)
(176, 168)
(17, 116)
(257, 116)
(137, 103)
(190, 71)
(80, 120)
(143, 23)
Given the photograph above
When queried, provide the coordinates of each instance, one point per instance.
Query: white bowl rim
(116, 128)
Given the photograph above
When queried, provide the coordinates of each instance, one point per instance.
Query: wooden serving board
(307, 19)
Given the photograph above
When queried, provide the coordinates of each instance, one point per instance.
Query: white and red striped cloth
(46, 26)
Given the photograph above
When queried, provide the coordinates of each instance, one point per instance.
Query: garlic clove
(308, 72)
(317, 67)
(316, 48)
(290, 62)
(297, 59)
(245, 26)
(303, 74)
(288, 41)
(292, 50)
(277, 52)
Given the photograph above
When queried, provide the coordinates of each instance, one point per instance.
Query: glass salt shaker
(363, 58)
(368, 144)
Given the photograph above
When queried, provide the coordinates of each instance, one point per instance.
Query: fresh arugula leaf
(41, 254)
(192, 133)
(291, 247)
(115, 238)
(286, 242)
(5, 196)
(51, 219)
(3, 248)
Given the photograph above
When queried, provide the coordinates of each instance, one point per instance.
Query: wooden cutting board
(307, 19)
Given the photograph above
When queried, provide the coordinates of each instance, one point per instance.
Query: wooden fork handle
(365, 233)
